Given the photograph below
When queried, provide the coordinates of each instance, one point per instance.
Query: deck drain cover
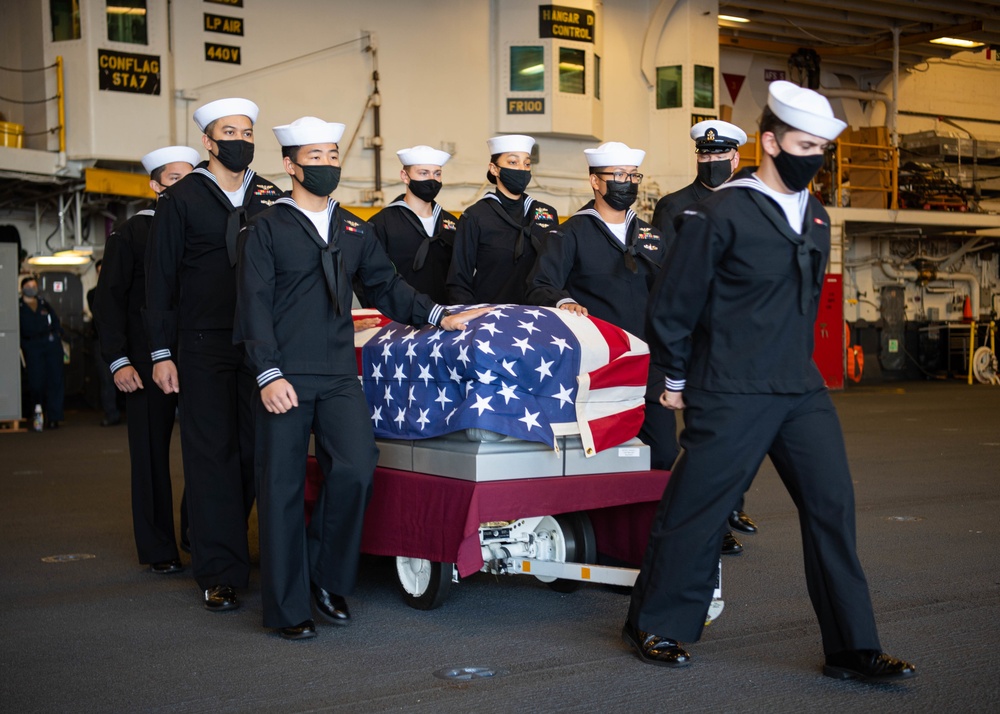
(909, 519)
(465, 674)
(67, 557)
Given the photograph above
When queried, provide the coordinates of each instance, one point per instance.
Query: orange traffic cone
(967, 310)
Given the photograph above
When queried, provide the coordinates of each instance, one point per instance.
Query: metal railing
(886, 170)
(59, 98)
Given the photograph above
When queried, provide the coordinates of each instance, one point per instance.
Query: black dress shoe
(219, 598)
(739, 521)
(167, 567)
(731, 546)
(332, 607)
(652, 649)
(302, 631)
(868, 666)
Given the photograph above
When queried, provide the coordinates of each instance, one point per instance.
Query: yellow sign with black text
(224, 25)
(222, 53)
(128, 72)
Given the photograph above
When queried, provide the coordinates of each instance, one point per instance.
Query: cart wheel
(423, 583)
(574, 543)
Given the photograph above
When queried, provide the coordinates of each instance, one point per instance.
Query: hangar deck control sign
(128, 72)
(566, 23)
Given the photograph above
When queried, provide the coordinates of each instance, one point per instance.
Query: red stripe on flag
(616, 337)
(632, 371)
(617, 428)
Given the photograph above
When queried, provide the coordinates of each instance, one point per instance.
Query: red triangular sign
(733, 82)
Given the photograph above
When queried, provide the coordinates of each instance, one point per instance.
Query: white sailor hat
(614, 153)
(168, 155)
(308, 130)
(423, 155)
(713, 136)
(804, 109)
(510, 142)
(207, 113)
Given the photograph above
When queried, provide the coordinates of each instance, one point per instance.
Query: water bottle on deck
(39, 421)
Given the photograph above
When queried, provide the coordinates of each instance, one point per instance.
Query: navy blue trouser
(725, 439)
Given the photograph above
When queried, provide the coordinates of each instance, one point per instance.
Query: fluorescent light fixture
(571, 66)
(118, 10)
(957, 42)
(533, 69)
(77, 250)
(59, 260)
(733, 18)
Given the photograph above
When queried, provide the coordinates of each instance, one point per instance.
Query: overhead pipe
(910, 274)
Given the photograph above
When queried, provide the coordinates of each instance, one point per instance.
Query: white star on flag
(387, 336)
(411, 351)
(442, 398)
(542, 369)
(482, 404)
(491, 327)
(564, 396)
(523, 344)
(461, 336)
(377, 415)
(509, 366)
(422, 419)
(468, 387)
(529, 326)
(507, 393)
(399, 373)
(534, 313)
(411, 398)
(454, 375)
(530, 419)
(400, 417)
(425, 373)
(409, 335)
(447, 419)
(387, 351)
(377, 372)
(561, 344)
(486, 377)
(436, 353)
(436, 335)
(388, 397)
(463, 355)
(484, 346)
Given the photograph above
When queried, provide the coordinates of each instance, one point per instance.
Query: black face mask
(515, 180)
(797, 171)
(425, 190)
(320, 180)
(714, 173)
(235, 154)
(621, 194)
(29, 292)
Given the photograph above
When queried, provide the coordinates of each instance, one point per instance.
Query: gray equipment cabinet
(10, 336)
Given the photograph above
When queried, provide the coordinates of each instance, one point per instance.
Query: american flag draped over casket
(532, 373)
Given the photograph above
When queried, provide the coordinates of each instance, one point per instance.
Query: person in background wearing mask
(121, 294)
(603, 261)
(500, 235)
(731, 326)
(717, 146)
(416, 233)
(297, 262)
(41, 346)
(190, 311)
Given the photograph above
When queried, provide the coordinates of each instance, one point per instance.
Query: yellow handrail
(892, 168)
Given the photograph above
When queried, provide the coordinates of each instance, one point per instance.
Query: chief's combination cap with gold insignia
(714, 136)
